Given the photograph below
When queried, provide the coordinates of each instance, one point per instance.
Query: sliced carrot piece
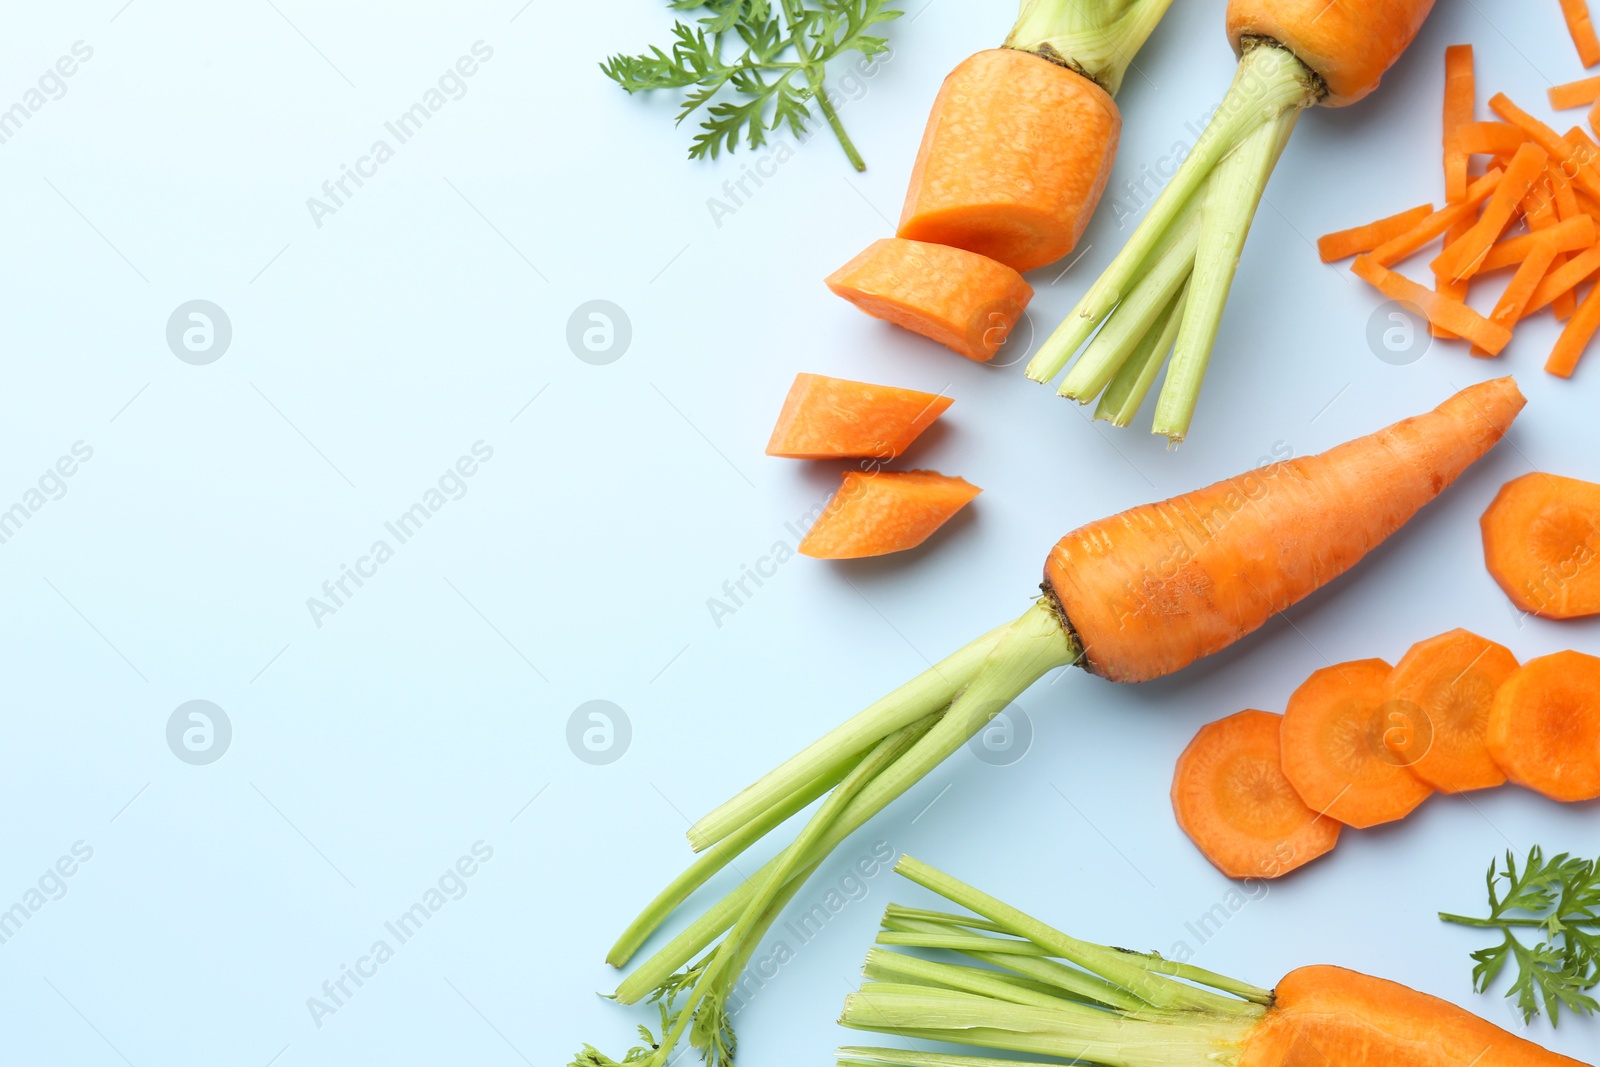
(1578, 93)
(1490, 138)
(1574, 340)
(1342, 244)
(1541, 542)
(1572, 235)
(1460, 97)
(964, 301)
(1574, 272)
(1451, 288)
(1453, 315)
(836, 418)
(1544, 730)
(1451, 680)
(878, 512)
(1581, 27)
(1232, 799)
(1339, 747)
(1461, 259)
(1577, 165)
(1397, 248)
(1508, 309)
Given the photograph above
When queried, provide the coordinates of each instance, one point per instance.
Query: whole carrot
(1132, 597)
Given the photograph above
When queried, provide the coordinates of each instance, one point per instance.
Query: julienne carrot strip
(1460, 97)
(1576, 12)
(1343, 244)
(1565, 279)
(1461, 259)
(1576, 163)
(1539, 209)
(1580, 93)
(1566, 207)
(1573, 235)
(1508, 309)
(1444, 285)
(1489, 138)
(1398, 248)
(1575, 338)
(1453, 315)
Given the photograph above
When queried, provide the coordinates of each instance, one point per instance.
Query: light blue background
(430, 712)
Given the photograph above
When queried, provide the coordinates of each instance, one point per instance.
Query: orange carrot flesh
(1572, 235)
(1490, 138)
(1575, 162)
(1544, 730)
(1461, 259)
(1451, 681)
(1563, 279)
(1508, 309)
(1015, 156)
(1349, 46)
(1580, 93)
(875, 513)
(1343, 244)
(835, 418)
(1581, 27)
(1460, 97)
(965, 301)
(1451, 288)
(1231, 797)
(1541, 543)
(1399, 247)
(1440, 310)
(1339, 747)
(1575, 338)
(1156, 588)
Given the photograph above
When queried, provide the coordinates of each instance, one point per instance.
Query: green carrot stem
(1125, 395)
(1230, 204)
(1096, 38)
(894, 966)
(899, 912)
(794, 16)
(864, 1056)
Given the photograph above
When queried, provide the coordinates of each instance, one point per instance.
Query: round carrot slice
(1232, 799)
(1544, 730)
(1450, 681)
(1541, 540)
(1345, 745)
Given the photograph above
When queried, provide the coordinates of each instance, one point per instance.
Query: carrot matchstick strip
(1398, 248)
(1342, 244)
(1575, 338)
(1508, 309)
(1579, 270)
(1579, 93)
(1581, 27)
(1576, 163)
(1461, 259)
(1453, 315)
(1460, 95)
(1490, 138)
(1454, 288)
(1573, 235)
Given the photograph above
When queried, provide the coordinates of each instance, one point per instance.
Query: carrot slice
(1572, 235)
(1581, 27)
(1508, 309)
(1232, 799)
(1544, 730)
(1451, 680)
(1452, 315)
(1574, 272)
(1460, 96)
(1574, 340)
(878, 512)
(1342, 244)
(1461, 259)
(1490, 138)
(1397, 248)
(1578, 93)
(1541, 542)
(964, 301)
(836, 418)
(1339, 747)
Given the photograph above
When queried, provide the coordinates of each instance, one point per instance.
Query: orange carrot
(1576, 164)
(1572, 235)
(878, 512)
(1399, 247)
(1451, 681)
(1450, 288)
(1232, 799)
(1350, 46)
(1460, 97)
(1574, 340)
(1439, 310)
(1579, 25)
(1544, 730)
(1013, 162)
(1541, 542)
(1490, 138)
(1580, 93)
(835, 418)
(1340, 748)
(1575, 272)
(1461, 259)
(1343, 244)
(965, 301)
(1508, 309)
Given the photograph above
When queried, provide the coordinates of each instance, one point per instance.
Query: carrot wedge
(1581, 27)
(1342, 244)
(875, 513)
(1575, 338)
(1232, 799)
(1508, 309)
(1462, 259)
(1544, 731)
(1399, 247)
(1580, 93)
(835, 418)
(1449, 314)
(1451, 680)
(1541, 543)
(1339, 747)
(1572, 235)
(1460, 96)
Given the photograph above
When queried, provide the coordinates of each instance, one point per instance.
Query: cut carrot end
(1541, 543)
(1544, 730)
(835, 418)
(1451, 681)
(1452, 315)
(875, 513)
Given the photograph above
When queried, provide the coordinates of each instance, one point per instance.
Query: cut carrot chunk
(1541, 542)
(1461, 259)
(1451, 680)
(1343, 244)
(1573, 235)
(1397, 248)
(1452, 315)
(964, 301)
(1508, 309)
(1460, 97)
(1580, 93)
(875, 513)
(1574, 340)
(835, 418)
(1544, 730)
(1340, 746)
(1490, 138)
(1232, 799)
(1581, 27)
